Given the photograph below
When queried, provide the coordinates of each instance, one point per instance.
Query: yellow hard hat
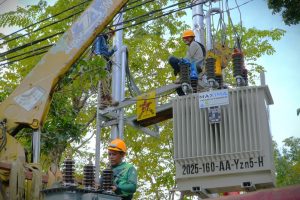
(188, 33)
(117, 145)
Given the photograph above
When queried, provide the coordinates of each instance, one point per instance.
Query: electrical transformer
(221, 147)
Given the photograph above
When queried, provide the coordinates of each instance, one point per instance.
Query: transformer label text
(222, 166)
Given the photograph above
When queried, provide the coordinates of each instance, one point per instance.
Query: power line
(51, 24)
(34, 50)
(34, 54)
(29, 44)
(55, 15)
(141, 4)
(3, 2)
(132, 2)
(135, 18)
(144, 21)
(151, 12)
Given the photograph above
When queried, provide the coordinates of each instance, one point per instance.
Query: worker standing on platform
(125, 175)
(101, 47)
(195, 54)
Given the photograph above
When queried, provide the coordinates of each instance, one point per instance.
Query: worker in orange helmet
(125, 174)
(195, 53)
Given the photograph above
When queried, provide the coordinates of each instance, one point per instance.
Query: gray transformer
(231, 155)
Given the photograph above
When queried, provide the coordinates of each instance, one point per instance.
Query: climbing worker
(195, 54)
(125, 175)
(101, 47)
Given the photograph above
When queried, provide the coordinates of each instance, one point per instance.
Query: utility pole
(117, 75)
(198, 18)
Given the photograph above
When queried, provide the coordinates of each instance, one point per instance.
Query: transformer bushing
(239, 70)
(68, 175)
(89, 176)
(219, 80)
(210, 71)
(184, 71)
(107, 179)
(188, 76)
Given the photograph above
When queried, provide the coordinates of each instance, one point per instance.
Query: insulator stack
(194, 84)
(245, 75)
(107, 179)
(185, 73)
(210, 68)
(89, 176)
(219, 79)
(68, 175)
(238, 63)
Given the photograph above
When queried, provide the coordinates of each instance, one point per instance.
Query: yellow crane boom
(28, 104)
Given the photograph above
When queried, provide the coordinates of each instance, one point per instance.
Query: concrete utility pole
(117, 75)
(198, 24)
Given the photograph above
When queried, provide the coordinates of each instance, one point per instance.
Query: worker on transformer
(195, 54)
(101, 47)
(125, 174)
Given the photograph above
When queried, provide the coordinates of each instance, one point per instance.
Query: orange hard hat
(188, 33)
(117, 145)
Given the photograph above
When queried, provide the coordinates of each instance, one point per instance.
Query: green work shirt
(125, 178)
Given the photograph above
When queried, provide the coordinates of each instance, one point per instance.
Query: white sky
(283, 73)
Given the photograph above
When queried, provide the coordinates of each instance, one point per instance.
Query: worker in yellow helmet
(195, 53)
(125, 175)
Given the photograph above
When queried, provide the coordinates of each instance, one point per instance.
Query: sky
(282, 68)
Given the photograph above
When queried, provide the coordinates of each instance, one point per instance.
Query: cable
(167, 13)
(45, 19)
(159, 16)
(34, 50)
(152, 12)
(130, 8)
(3, 2)
(29, 44)
(129, 3)
(127, 21)
(34, 42)
(240, 20)
(13, 61)
(42, 27)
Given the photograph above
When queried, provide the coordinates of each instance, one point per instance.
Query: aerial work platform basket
(230, 155)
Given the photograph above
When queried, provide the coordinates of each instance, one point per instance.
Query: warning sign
(146, 106)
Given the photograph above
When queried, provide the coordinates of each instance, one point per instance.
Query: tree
(287, 162)
(290, 10)
(72, 114)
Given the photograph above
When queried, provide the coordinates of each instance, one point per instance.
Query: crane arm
(28, 105)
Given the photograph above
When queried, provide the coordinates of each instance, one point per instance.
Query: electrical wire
(51, 24)
(34, 54)
(153, 12)
(55, 15)
(130, 8)
(138, 23)
(29, 44)
(3, 2)
(34, 50)
(127, 21)
(132, 2)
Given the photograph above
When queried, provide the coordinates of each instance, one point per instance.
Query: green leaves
(288, 9)
(287, 162)
(73, 108)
